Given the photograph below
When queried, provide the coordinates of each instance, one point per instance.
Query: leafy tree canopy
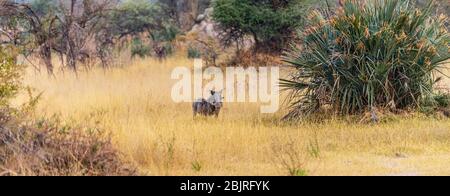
(270, 22)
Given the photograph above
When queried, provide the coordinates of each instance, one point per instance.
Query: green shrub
(138, 48)
(168, 48)
(196, 166)
(193, 53)
(434, 103)
(271, 23)
(9, 76)
(166, 34)
(370, 54)
(298, 172)
(133, 17)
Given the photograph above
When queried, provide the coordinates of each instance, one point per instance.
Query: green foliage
(166, 36)
(44, 7)
(442, 100)
(194, 53)
(168, 48)
(141, 18)
(138, 48)
(314, 147)
(435, 102)
(371, 54)
(196, 166)
(167, 33)
(133, 17)
(270, 22)
(9, 77)
(298, 172)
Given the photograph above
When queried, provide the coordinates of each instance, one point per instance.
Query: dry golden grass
(162, 138)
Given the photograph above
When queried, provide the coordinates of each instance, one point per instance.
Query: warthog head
(216, 99)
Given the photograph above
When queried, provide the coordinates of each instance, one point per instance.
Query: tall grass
(134, 104)
(369, 54)
(31, 145)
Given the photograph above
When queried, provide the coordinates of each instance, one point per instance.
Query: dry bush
(50, 148)
(249, 58)
(291, 157)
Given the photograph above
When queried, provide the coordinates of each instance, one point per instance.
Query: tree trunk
(257, 42)
(46, 55)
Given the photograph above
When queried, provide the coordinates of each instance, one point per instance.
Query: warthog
(209, 107)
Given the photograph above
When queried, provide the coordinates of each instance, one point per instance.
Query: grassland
(160, 136)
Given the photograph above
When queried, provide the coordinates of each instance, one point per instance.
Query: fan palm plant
(369, 54)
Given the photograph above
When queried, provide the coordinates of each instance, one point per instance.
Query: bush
(168, 33)
(134, 17)
(250, 59)
(50, 148)
(370, 54)
(9, 77)
(271, 23)
(165, 38)
(437, 102)
(193, 53)
(138, 48)
(168, 48)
